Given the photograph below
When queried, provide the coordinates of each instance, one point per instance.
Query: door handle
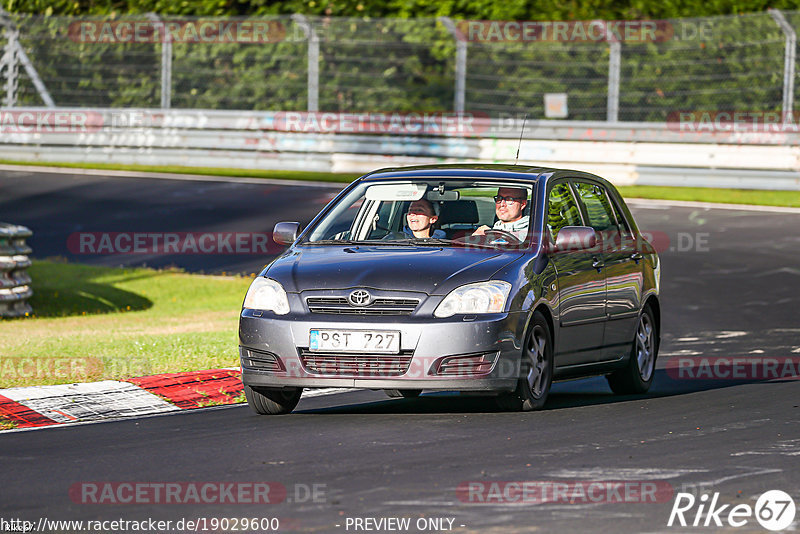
(637, 257)
(597, 264)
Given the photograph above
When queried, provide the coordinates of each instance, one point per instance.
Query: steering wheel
(508, 236)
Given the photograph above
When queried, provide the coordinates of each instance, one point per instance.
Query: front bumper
(424, 343)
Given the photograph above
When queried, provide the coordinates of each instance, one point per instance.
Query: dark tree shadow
(64, 290)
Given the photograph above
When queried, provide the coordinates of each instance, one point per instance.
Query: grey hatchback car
(488, 279)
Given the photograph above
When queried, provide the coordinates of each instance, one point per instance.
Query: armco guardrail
(15, 282)
(627, 153)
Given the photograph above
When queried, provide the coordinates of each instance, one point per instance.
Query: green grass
(95, 323)
(209, 171)
(724, 196)
(7, 424)
(701, 194)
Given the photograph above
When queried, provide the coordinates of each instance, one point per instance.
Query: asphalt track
(730, 287)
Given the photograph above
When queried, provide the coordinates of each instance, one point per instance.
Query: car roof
(522, 173)
(461, 170)
(475, 170)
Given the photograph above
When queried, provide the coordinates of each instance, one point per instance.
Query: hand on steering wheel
(503, 234)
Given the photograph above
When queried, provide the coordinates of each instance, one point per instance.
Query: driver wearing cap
(509, 204)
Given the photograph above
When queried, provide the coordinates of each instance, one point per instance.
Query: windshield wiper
(404, 242)
(361, 242)
(440, 241)
(332, 242)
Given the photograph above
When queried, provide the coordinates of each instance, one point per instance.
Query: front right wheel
(637, 376)
(272, 401)
(536, 370)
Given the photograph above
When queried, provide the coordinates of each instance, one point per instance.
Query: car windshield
(430, 212)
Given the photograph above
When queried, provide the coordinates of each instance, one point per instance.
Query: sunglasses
(498, 199)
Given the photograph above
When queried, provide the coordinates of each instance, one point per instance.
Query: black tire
(407, 393)
(637, 376)
(269, 401)
(536, 370)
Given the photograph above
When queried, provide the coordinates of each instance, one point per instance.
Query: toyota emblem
(359, 297)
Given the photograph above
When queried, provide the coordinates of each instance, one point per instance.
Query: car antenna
(525, 118)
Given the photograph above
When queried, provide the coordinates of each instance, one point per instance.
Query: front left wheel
(272, 401)
(536, 370)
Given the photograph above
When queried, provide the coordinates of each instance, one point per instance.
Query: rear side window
(562, 210)
(598, 208)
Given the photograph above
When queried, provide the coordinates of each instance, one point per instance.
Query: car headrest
(458, 211)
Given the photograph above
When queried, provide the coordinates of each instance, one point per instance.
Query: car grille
(369, 365)
(380, 306)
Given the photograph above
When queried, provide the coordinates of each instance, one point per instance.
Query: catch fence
(592, 71)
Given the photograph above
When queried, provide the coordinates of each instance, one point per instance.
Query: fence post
(10, 65)
(614, 63)
(461, 64)
(788, 62)
(18, 54)
(166, 62)
(313, 61)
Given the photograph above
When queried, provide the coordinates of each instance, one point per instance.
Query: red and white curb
(38, 406)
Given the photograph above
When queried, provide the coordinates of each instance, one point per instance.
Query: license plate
(354, 341)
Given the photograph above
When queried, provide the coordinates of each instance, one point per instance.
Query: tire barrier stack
(15, 282)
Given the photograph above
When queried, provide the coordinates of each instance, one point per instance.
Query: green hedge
(403, 64)
(473, 9)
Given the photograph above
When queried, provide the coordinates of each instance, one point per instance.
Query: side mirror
(572, 238)
(285, 233)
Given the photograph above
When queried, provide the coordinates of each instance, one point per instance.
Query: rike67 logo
(774, 510)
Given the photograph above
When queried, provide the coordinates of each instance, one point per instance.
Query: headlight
(483, 297)
(268, 295)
